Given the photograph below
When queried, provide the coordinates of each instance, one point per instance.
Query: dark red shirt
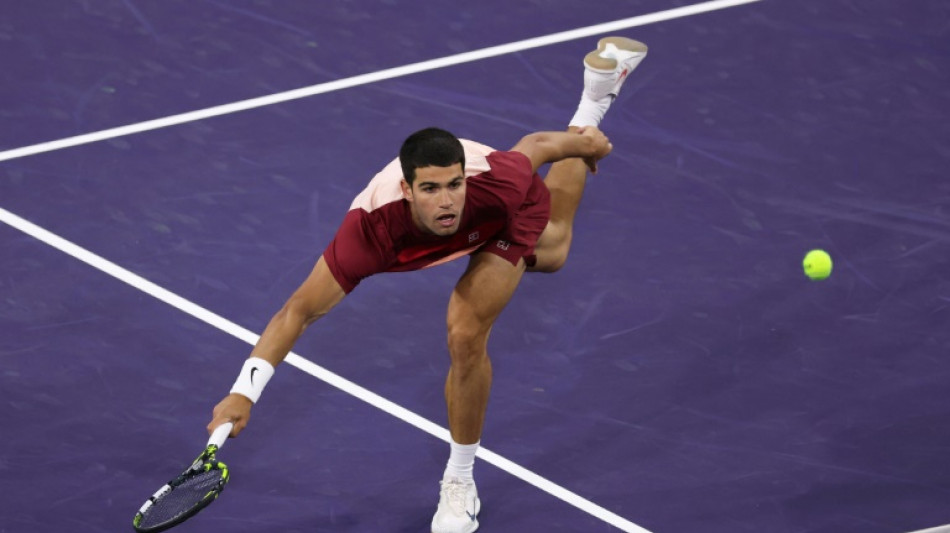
(378, 233)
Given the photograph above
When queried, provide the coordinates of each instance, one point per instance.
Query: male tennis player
(441, 199)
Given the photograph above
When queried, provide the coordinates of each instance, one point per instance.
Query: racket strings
(183, 497)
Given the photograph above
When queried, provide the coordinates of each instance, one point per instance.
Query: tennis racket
(196, 487)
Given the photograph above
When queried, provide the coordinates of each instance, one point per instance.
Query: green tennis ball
(817, 265)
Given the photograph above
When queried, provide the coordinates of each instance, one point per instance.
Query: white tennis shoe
(607, 67)
(458, 507)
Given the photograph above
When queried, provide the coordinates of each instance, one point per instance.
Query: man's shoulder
(476, 157)
(380, 223)
(481, 158)
(506, 166)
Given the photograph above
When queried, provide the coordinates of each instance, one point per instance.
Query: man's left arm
(544, 147)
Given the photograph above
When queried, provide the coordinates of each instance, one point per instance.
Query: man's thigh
(482, 293)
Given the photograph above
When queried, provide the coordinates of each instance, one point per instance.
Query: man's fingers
(218, 419)
(234, 408)
(591, 164)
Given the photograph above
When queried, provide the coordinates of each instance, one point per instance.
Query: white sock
(461, 461)
(590, 112)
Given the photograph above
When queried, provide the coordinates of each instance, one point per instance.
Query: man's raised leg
(605, 71)
(565, 181)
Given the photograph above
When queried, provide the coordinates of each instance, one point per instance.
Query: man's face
(436, 198)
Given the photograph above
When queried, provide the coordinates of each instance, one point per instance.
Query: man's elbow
(298, 312)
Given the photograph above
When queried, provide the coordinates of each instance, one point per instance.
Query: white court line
(381, 75)
(939, 529)
(310, 367)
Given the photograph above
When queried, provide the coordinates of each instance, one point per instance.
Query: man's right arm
(544, 147)
(319, 293)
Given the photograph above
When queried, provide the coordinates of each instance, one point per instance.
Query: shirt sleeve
(512, 177)
(355, 252)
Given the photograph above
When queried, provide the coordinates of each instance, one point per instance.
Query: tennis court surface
(680, 374)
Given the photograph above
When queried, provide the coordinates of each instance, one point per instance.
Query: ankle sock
(590, 112)
(461, 461)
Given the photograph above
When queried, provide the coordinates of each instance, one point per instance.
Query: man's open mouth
(446, 220)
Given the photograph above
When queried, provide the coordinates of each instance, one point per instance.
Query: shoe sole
(608, 64)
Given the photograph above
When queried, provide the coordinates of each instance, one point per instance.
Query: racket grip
(220, 434)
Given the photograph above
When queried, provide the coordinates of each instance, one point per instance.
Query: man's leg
(565, 180)
(605, 71)
(479, 297)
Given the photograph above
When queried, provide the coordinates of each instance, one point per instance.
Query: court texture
(170, 172)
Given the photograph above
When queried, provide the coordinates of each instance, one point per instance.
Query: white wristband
(253, 377)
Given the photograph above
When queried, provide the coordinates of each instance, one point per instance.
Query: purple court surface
(680, 372)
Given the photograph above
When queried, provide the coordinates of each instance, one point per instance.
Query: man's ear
(406, 189)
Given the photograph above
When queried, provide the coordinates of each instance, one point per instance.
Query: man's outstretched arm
(543, 147)
(319, 293)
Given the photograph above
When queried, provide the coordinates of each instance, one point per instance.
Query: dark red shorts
(524, 229)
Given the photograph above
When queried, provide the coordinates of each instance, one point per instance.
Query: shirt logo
(503, 244)
(472, 237)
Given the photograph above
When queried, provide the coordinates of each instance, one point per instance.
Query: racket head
(182, 497)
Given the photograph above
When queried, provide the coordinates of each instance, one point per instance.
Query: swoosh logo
(470, 515)
(253, 369)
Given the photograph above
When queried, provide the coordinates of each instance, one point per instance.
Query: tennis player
(440, 200)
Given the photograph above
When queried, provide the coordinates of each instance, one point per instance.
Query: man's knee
(468, 342)
(552, 259)
(553, 247)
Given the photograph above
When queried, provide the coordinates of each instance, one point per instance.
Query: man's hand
(235, 408)
(588, 143)
(601, 146)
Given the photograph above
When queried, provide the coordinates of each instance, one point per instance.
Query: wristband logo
(253, 369)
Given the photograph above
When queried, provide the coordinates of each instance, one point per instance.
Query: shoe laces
(456, 492)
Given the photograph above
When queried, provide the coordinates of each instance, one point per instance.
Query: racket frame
(204, 463)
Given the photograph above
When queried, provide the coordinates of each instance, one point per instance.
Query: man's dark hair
(427, 148)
